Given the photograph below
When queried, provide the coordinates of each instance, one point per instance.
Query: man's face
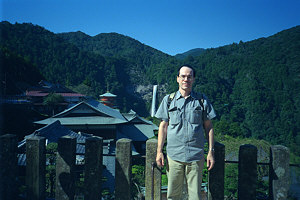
(185, 78)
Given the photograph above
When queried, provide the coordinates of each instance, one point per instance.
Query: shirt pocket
(196, 115)
(174, 116)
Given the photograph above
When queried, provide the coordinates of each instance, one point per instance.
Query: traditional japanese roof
(55, 130)
(107, 94)
(52, 133)
(45, 88)
(130, 125)
(38, 93)
(131, 116)
(87, 113)
(135, 132)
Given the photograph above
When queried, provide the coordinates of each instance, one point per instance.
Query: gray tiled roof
(55, 130)
(132, 117)
(108, 94)
(136, 132)
(95, 120)
(52, 133)
(104, 115)
(96, 106)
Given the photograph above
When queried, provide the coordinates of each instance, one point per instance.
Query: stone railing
(65, 166)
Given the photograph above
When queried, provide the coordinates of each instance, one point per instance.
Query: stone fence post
(8, 167)
(247, 181)
(153, 173)
(35, 168)
(279, 172)
(65, 166)
(217, 174)
(123, 169)
(93, 168)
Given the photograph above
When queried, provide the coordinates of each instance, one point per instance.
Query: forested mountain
(254, 86)
(192, 52)
(58, 60)
(16, 73)
(116, 45)
(139, 57)
(62, 61)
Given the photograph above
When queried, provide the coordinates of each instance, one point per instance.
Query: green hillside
(139, 58)
(254, 86)
(118, 46)
(62, 62)
(192, 52)
(16, 73)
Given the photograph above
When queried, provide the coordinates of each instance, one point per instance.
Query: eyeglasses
(189, 77)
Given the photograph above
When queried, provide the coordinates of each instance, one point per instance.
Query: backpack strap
(171, 97)
(201, 101)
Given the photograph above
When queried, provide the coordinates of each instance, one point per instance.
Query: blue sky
(171, 26)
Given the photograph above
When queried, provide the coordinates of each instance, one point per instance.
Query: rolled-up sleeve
(162, 112)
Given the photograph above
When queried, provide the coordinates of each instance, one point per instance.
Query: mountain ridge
(192, 52)
(252, 85)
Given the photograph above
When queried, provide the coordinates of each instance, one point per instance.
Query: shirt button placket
(185, 129)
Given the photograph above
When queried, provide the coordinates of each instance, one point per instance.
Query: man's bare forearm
(209, 131)
(210, 137)
(211, 141)
(162, 134)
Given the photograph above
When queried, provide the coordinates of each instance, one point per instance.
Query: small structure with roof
(89, 117)
(95, 118)
(55, 130)
(108, 99)
(36, 94)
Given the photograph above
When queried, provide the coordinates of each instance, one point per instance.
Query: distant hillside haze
(254, 86)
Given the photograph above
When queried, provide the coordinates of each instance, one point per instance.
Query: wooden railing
(65, 167)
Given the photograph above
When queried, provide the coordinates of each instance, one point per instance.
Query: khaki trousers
(180, 172)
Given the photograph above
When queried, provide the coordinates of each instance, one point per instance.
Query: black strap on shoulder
(171, 97)
(201, 101)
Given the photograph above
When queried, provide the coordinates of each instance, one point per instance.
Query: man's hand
(210, 160)
(160, 160)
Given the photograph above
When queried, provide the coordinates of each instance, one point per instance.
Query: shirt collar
(178, 95)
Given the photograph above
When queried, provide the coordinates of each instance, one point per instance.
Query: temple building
(95, 118)
(92, 118)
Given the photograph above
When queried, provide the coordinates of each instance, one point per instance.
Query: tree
(52, 100)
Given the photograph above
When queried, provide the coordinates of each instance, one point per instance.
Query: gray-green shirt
(185, 130)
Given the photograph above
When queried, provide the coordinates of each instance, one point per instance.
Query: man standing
(184, 116)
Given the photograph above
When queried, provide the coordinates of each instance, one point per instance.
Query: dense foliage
(63, 62)
(16, 73)
(192, 52)
(254, 86)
